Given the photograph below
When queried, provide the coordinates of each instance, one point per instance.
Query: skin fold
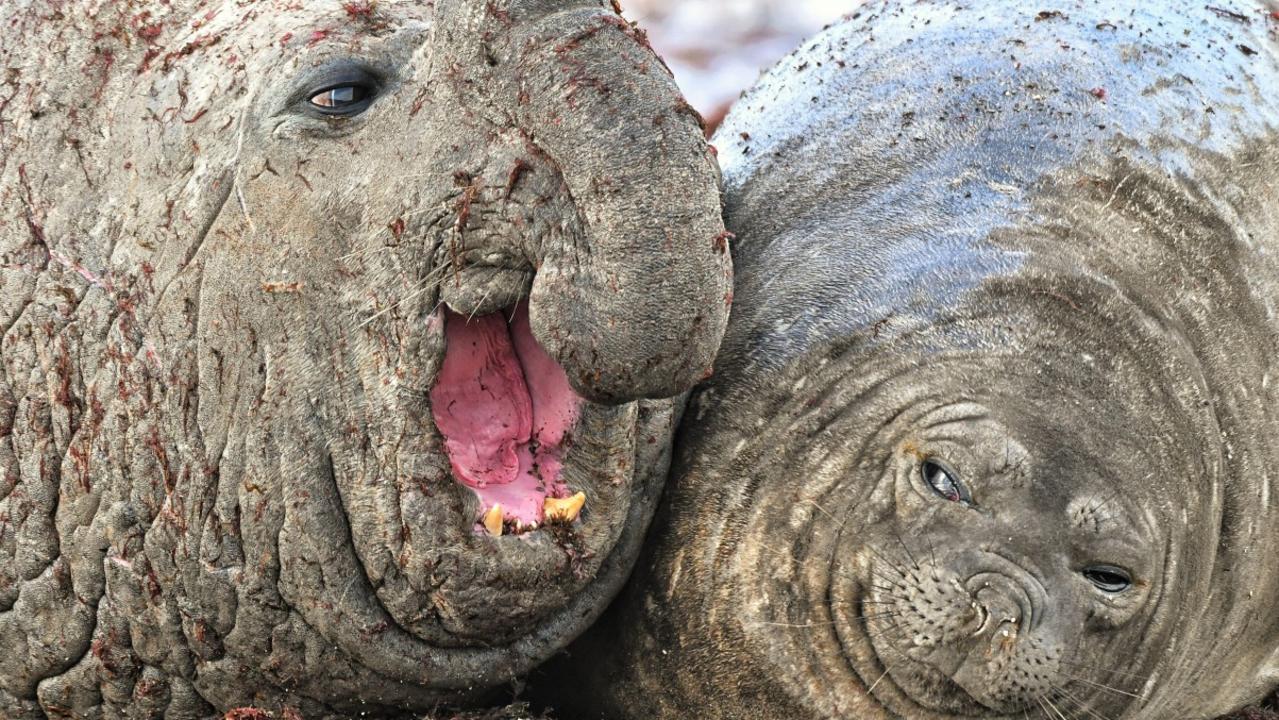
(224, 310)
(991, 430)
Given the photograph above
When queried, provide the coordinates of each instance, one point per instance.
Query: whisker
(426, 283)
(1060, 714)
(875, 616)
(476, 309)
(884, 635)
(885, 560)
(1103, 686)
(767, 623)
(1082, 705)
(909, 554)
(933, 555)
(1103, 502)
(813, 502)
(875, 684)
(411, 296)
(1103, 668)
(824, 623)
(888, 579)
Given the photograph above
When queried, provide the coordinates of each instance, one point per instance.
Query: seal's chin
(972, 678)
(507, 414)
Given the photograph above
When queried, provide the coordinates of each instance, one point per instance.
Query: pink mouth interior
(506, 412)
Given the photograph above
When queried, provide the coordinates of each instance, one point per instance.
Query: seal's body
(992, 432)
(319, 324)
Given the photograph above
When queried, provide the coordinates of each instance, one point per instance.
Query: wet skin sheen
(992, 431)
(258, 264)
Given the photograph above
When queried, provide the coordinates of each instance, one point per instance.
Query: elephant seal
(338, 343)
(991, 431)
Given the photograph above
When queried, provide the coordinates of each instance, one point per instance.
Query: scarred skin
(992, 430)
(221, 319)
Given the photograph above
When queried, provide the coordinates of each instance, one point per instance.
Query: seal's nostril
(981, 616)
(1019, 581)
(1003, 614)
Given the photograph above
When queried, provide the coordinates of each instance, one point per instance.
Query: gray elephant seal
(321, 321)
(992, 430)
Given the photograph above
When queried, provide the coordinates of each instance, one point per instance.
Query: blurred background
(717, 48)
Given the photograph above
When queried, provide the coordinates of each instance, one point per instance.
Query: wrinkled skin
(223, 313)
(991, 434)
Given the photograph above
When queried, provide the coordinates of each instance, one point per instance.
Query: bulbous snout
(638, 306)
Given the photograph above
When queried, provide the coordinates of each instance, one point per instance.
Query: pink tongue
(505, 410)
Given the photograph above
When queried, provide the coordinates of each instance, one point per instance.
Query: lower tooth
(493, 521)
(564, 509)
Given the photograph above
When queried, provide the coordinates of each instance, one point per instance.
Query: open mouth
(507, 415)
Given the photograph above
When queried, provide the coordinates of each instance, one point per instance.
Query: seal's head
(990, 429)
(1003, 557)
(366, 319)
(961, 516)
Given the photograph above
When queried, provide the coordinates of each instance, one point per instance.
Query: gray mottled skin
(1039, 243)
(219, 480)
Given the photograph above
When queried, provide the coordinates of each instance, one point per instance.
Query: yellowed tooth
(493, 521)
(564, 509)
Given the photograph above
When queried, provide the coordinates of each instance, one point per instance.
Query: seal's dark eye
(342, 89)
(944, 482)
(1108, 578)
(347, 99)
